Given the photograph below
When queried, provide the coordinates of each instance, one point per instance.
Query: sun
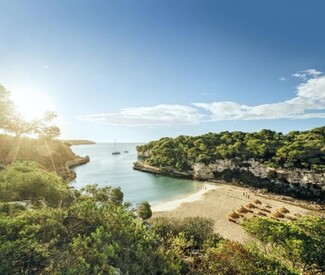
(32, 104)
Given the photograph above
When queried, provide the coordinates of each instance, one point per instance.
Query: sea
(117, 170)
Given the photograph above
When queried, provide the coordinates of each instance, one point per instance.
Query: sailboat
(115, 152)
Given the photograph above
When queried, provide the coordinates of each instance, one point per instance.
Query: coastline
(75, 142)
(170, 172)
(67, 171)
(174, 204)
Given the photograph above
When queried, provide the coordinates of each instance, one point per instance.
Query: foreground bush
(28, 181)
(84, 239)
(97, 233)
(300, 243)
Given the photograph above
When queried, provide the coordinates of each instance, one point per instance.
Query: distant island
(291, 164)
(78, 141)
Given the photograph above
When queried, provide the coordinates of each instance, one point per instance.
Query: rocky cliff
(296, 181)
(66, 171)
(300, 183)
(202, 171)
(166, 171)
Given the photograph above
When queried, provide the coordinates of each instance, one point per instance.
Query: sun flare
(32, 104)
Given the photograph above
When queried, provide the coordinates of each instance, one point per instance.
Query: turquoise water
(116, 170)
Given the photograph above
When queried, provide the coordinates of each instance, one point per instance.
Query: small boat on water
(115, 152)
(126, 151)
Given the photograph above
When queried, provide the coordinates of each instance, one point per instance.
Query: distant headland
(78, 141)
(53, 155)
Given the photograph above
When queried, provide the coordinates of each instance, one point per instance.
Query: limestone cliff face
(202, 171)
(295, 182)
(303, 176)
(298, 180)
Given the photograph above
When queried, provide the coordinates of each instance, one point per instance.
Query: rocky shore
(307, 183)
(141, 166)
(291, 184)
(66, 172)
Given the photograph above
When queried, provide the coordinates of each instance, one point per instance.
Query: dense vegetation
(28, 181)
(51, 154)
(305, 149)
(95, 232)
(301, 243)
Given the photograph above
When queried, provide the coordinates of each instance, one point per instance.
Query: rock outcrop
(66, 172)
(301, 183)
(166, 171)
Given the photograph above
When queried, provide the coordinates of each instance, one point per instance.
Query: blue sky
(140, 70)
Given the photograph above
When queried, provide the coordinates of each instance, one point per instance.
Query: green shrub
(28, 181)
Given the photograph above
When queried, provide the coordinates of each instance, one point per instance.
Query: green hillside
(53, 155)
(296, 149)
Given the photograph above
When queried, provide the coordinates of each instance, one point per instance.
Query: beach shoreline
(218, 201)
(175, 203)
(213, 185)
(311, 203)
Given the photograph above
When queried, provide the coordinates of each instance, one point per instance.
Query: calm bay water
(116, 170)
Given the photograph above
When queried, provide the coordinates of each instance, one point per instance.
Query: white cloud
(310, 115)
(299, 75)
(282, 78)
(309, 102)
(304, 75)
(310, 98)
(149, 116)
(313, 72)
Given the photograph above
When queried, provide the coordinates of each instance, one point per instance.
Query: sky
(142, 70)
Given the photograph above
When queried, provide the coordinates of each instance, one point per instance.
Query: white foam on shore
(171, 205)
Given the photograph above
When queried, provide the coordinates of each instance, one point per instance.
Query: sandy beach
(216, 201)
(171, 205)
